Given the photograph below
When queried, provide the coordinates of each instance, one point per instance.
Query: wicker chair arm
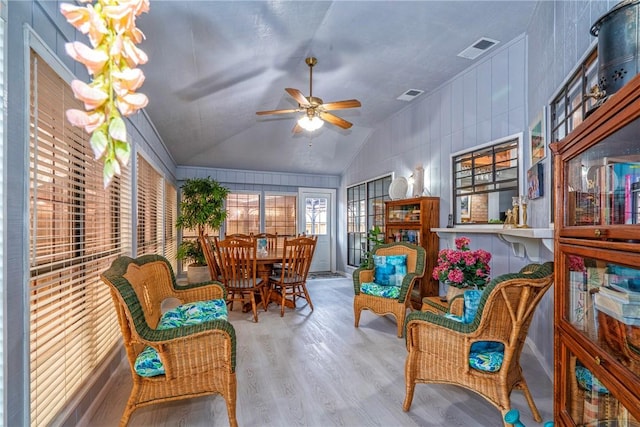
(440, 308)
(204, 291)
(361, 275)
(439, 321)
(198, 336)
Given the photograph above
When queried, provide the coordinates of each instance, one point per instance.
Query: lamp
(310, 123)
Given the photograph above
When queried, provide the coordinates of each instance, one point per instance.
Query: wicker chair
(198, 359)
(382, 305)
(439, 347)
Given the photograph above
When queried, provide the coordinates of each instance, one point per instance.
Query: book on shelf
(620, 293)
(627, 313)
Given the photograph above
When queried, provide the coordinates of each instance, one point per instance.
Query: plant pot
(453, 291)
(198, 273)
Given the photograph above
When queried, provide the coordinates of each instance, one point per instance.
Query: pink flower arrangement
(111, 61)
(576, 263)
(462, 267)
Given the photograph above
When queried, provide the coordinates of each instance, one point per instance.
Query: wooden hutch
(597, 264)
(411, 220)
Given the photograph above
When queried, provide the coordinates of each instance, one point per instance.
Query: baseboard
(536, 353)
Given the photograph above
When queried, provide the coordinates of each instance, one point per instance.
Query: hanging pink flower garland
(111, 61)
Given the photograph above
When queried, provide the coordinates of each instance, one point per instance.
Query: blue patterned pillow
(486, 356)
(148, 362)
(390, 269)
(377, 290)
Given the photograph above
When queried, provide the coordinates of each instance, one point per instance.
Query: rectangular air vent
(410, 94)
(478, 48)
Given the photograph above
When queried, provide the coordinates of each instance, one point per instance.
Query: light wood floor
(316, 369)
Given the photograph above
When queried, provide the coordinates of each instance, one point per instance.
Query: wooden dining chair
(211, 255)
(238, 265)
(292, 279)
(272, 239)
(240, 236)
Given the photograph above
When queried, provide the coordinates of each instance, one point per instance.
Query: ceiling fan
(316, 111)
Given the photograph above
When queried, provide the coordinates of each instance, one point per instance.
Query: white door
(317, 218)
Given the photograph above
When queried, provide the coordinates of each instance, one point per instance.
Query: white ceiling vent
(478, 48)
(410, 95)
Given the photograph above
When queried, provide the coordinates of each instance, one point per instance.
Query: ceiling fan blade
(297, 128)
(298, 96)
(335, 120)
(263, 113)
(341, 105)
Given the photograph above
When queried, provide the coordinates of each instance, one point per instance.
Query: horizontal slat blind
(77, 228)
(3, 101)
(171, 215)
(150, 208)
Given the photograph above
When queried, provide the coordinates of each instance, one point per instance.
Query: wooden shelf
(525, 242)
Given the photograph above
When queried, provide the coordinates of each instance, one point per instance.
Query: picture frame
(535, 181)
(537, 139)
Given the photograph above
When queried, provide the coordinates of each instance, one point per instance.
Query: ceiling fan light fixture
(310, 123)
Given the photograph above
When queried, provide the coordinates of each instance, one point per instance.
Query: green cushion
(148, 362)
(375, 289)
(390, 269)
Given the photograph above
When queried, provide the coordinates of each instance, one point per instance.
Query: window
(365, 210)
(573, 104)
(315, 212)
(170, 217)
(485, 180)
(280, 214)
(150, 208)
(243, 214)
(77, 228)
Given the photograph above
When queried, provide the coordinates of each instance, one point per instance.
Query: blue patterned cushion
(375, 289)
(390, 269)
(148, 362)
(587, 381)
(486, 356)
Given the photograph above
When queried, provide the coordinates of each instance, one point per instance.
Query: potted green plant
(374, 237)
(201, 206)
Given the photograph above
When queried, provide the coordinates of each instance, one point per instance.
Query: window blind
(243, 213)
(170, 217)
(150, 208)
(3, 14)
(77, 228)
(280, 214)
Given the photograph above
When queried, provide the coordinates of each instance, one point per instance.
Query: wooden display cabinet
(597, 267)
(411, 220)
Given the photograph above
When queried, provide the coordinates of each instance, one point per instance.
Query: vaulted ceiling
(213, 64)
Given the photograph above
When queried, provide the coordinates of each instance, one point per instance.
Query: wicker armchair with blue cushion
(187, 351)
(479, 351)
(385, 287)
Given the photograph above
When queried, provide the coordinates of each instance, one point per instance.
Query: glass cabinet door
(589, 402)
(602, 184)
(602, 302)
